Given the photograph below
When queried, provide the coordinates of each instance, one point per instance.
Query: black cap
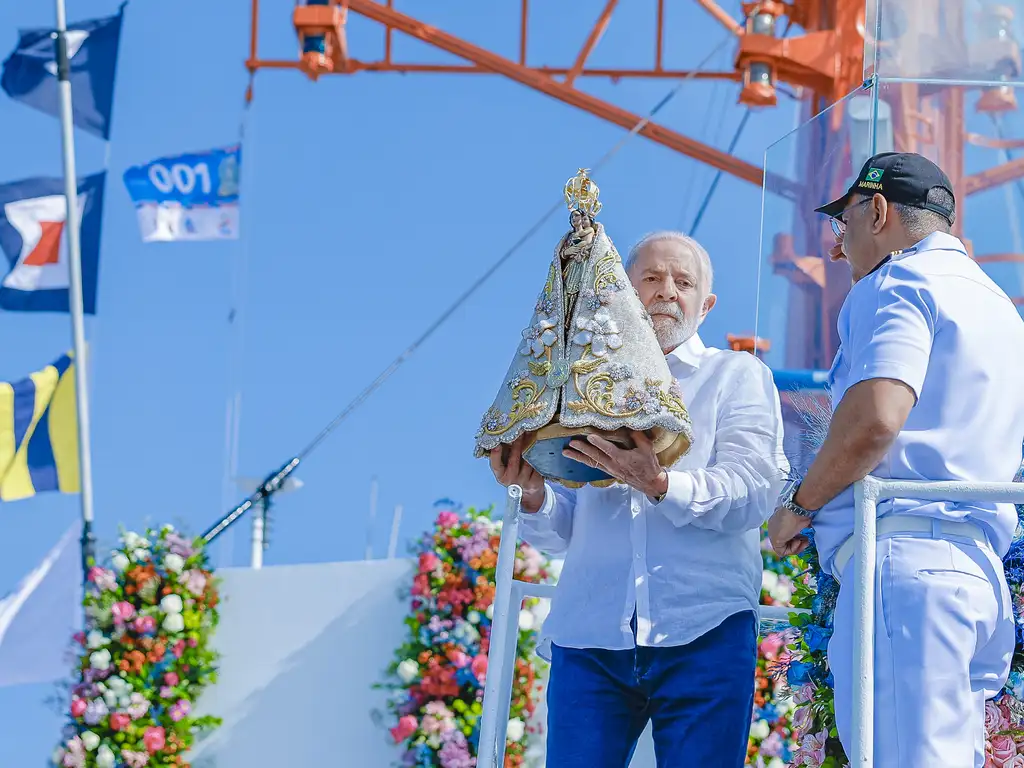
(899, 177)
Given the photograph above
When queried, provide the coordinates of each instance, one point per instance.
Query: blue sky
(369, 203)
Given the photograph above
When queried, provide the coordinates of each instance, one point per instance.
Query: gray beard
(672, 332)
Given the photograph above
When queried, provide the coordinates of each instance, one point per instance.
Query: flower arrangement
(771, 734)
(144, 657)
(438, 674)
(807, 675)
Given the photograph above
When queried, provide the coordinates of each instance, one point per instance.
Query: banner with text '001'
(193, 196)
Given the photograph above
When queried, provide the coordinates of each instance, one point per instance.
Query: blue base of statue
(546, 457)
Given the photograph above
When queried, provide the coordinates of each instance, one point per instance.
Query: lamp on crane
(759, 73)
(320, 25)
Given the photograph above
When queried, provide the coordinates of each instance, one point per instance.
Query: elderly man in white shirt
(655, 615)
(928, 384)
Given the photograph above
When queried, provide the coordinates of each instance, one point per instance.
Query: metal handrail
(867, 493)
(509, 593)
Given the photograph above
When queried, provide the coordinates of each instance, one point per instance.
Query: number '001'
(180, 177)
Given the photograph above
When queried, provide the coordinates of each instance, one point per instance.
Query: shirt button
(637, 555)
(636, 508)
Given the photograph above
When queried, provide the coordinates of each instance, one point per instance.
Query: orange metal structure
(825, 62)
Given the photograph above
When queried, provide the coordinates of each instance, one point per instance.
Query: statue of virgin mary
(589, 361)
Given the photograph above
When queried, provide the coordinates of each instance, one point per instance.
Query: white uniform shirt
(931, 318)
(692, 560)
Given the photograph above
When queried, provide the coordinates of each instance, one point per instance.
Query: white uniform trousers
(944, 639)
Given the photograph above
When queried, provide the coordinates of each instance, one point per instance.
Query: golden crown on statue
(581, 193)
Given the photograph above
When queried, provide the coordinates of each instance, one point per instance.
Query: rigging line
(384, 375)
(718, 176)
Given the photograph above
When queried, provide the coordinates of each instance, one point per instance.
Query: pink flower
(144, 625)
(1016, 762)
(180, 710)
(479, 667)
(166, 692)
(79, 637)
(171, 678)
(155, 739)
(813, 748)
(1003, 749)
(178, 649)
(122, 612)
(406, 727)
(803, 721)
(804, 694)
(459, 659)
(447, 519)
(119, 721)
(134, 759)
(428, 562)
(994, 719)
(770, 645)
(78, 707)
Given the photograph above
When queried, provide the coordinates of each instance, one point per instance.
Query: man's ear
(880, 211)
(709, 303)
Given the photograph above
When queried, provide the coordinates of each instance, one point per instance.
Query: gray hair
(695, 248)
(921, 222)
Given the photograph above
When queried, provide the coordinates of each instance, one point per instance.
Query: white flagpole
(75, 301)
(396, 522)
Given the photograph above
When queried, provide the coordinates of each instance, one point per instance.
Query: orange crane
(825, 62)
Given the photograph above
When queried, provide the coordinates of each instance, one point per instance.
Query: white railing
(508, 596)
(867, 494)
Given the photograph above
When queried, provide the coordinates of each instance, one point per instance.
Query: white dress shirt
(691, 561)
(931, 318)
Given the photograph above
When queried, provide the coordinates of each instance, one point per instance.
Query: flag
(30, 72)
(32, 217)
(38, 618)
(39, 433)
(188, 197)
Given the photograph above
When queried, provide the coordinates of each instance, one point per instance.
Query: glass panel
(948, 40)
(975, 135)
(799, 291)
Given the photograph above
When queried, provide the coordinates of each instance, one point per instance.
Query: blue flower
(799, 673)
(816, 637)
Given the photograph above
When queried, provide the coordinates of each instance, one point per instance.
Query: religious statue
(589, 362)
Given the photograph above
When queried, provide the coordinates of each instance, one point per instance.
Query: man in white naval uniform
(655, 615)
(928, 384)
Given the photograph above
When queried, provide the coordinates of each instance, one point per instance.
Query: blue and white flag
(30, 72)
(33, 214)
(188, 197)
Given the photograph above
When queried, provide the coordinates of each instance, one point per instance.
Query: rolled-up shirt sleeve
(737, 491)
(550, 528)
(892, 329)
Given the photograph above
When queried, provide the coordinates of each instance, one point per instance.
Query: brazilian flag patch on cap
(874, 174)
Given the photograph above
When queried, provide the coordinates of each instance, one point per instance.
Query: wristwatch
(786, 500)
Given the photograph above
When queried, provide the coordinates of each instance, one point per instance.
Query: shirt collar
(690, 352)
(939, 241)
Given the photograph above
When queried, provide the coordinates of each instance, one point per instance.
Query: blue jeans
(699, 698)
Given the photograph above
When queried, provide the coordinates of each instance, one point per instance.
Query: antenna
(373, 516)
(261, 520)
(396, 522)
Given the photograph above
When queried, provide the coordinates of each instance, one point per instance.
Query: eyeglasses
(839, 225)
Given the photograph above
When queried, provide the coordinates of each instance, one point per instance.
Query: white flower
(525, 620)
(539, 336)
(555, 568)
(100, 659)
(490, 612)
(105, 757)
(120, 561)
(139, 555)
(760, 730)
(174, 563)
(516, 729)
(110, 699)
(58, 756)
(781, 594)
(173, 622)
(601, 333)
(132, 540)
(408, 671)
(96, 640)
(769, 580)
(171, 604)
(119, 685)
(473, 617)
(776, 763)
(90, 740)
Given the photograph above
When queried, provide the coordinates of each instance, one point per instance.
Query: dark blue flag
(33, 214)
(30, 73)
